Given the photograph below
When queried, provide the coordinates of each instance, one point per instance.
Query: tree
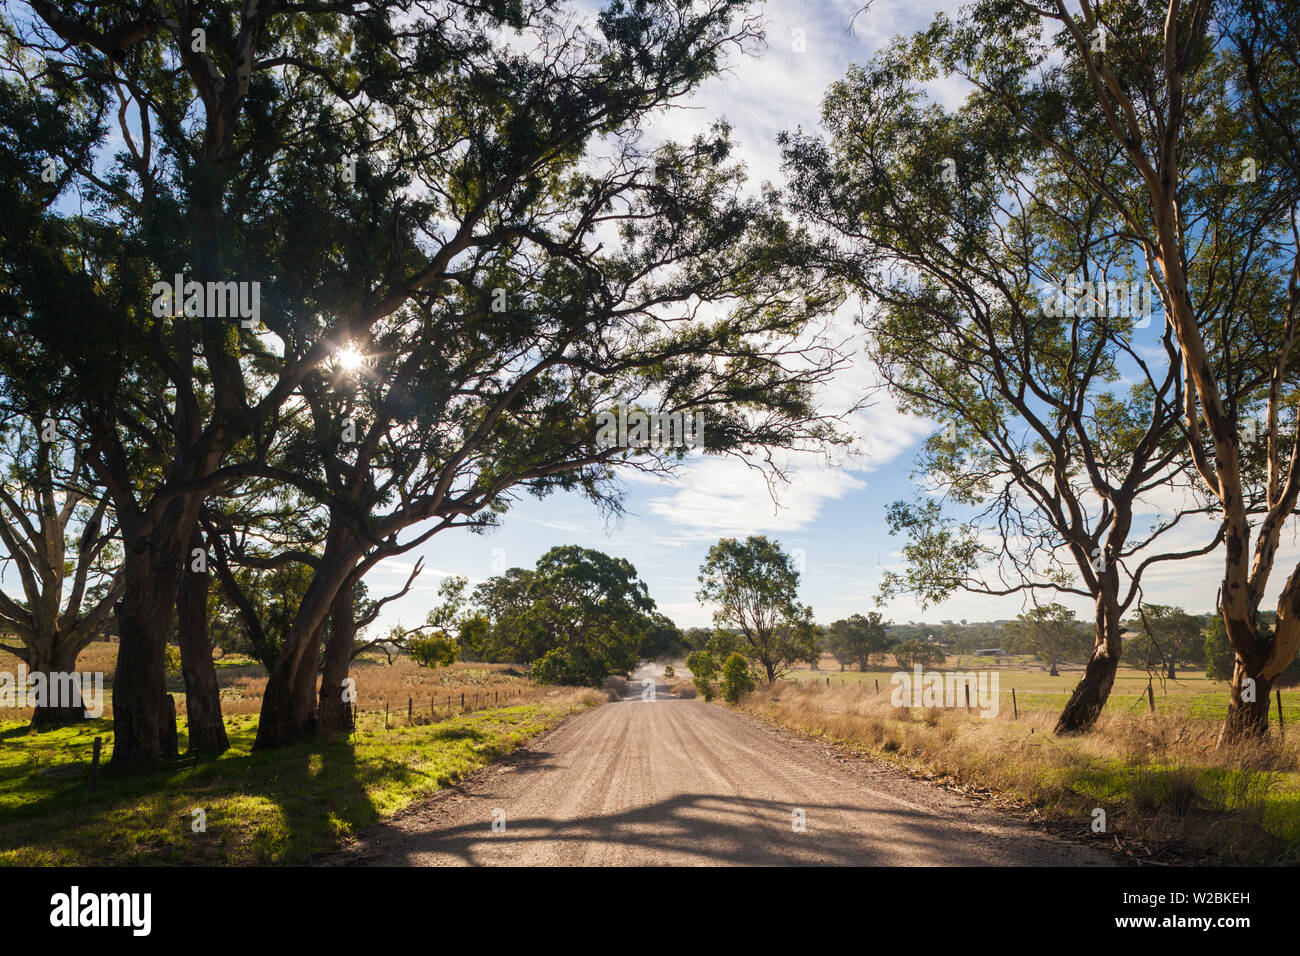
(860, 638)
(439, 641)
(459, 243)
(1164, 114)
(662, 639)
(1167, 635)
(704, 672)
(917, 653)
(57, 534)
(584, 611)
(737, 679)
(952, 226)
(1052, 632)
(754, 586)
(1218, 650)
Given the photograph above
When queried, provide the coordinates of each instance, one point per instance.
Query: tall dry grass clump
(1163, 779)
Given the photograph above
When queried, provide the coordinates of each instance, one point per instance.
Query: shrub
(436, 650)
(570, 666)
(737, 680)
(669, 673)
(704, 671)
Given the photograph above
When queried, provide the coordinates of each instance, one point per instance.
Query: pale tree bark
(36, 519)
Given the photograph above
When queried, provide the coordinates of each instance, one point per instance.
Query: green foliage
(860, 639)
(572, 666)
(434, 650)
(704, 669)
(661, 638)
(1175, 637)
(737, 679)
(1218, 650)
(575, 598)
(1052, 632)
(911, 653)
(754, 585)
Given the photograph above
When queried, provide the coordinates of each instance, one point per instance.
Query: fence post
(1015, 709)
(385, 715)
(1281, 723)
(1151, 697)
(94, 765)
(410, 707)
(433, 708)
(967, 686)
(877, 685)
(462, 700)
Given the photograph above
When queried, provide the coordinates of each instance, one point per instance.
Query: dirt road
(682, 782)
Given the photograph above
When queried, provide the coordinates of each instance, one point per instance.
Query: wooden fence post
(1015, 709)
(410, 707)
(1281, 722)
(385, 715)
(1151, 697)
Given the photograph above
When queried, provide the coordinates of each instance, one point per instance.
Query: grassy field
(1169, 791)
(1191, 694)
(277, 807)
(380, 685)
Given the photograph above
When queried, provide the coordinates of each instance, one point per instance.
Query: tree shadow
(694, 828)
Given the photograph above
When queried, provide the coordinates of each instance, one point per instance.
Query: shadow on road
(701, 829)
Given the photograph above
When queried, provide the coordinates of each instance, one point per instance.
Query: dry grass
(1161, 778)
(431, 694)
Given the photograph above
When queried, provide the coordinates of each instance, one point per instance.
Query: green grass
(276, 807)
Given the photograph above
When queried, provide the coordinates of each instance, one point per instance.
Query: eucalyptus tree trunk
(335, 715)
(207, 731)
(57, 659)
(1093, 690)
(141, 714)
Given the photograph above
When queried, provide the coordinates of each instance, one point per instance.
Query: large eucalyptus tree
(460, 193)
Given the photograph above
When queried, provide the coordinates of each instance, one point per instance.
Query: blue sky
(831, 516)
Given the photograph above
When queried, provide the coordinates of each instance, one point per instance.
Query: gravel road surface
(682, 782)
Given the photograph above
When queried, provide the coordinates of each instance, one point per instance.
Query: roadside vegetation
(1170, 791)
(281, 806)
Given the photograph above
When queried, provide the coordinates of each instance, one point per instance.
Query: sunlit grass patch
(274, 807)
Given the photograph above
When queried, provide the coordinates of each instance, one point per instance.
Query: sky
(831, 517)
